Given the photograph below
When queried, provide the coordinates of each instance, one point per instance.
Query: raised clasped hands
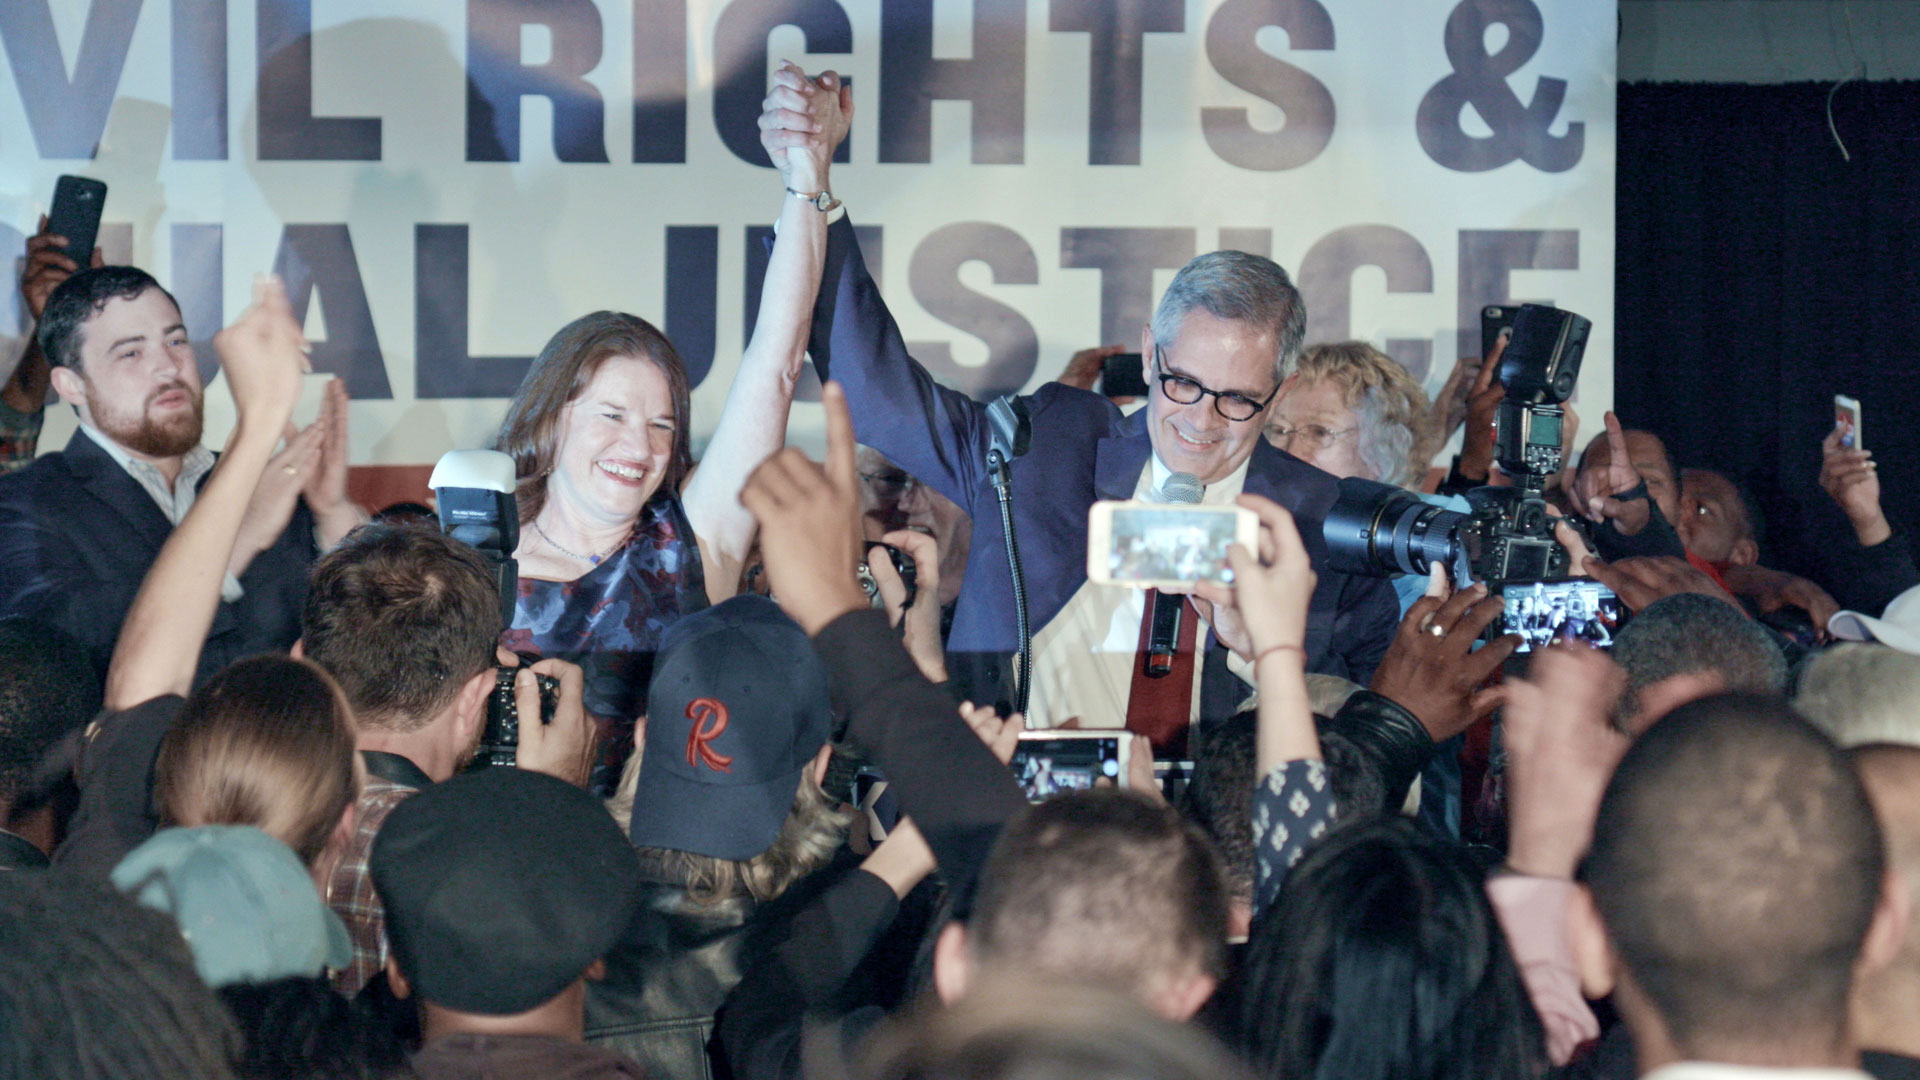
(802, 121)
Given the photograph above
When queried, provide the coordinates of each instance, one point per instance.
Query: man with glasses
(1221, 341)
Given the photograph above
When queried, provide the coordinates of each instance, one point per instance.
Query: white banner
(445, 183)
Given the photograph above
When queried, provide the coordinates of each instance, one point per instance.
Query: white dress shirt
(1083, 658)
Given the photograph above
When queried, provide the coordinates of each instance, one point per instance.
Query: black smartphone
(77, 202)
(1122, 376)
(1578, 609)
(1493, 319)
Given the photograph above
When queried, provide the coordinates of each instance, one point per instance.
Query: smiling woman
(620, 536)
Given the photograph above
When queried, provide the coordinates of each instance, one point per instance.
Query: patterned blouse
(610, 620)
(1292, 808)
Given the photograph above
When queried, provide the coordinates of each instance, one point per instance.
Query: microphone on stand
(1163, 637)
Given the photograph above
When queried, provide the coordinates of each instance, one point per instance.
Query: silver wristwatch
(821, 200)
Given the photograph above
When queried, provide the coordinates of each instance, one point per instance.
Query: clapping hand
(264, 353)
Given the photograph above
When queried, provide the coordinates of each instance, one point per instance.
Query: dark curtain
(1758, 274)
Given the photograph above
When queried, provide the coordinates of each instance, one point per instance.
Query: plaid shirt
(19, 437)
(350, 891)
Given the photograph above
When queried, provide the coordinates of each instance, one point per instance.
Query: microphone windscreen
(1181, 488)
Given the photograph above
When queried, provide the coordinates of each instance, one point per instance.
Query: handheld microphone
(1163, 637)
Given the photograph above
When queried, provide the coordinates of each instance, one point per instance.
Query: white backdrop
(1036, 169)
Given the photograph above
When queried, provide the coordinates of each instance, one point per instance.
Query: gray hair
(1241, 287)
(1386, 446)
(1861, 694)
(1688, 633)
(1391, 408)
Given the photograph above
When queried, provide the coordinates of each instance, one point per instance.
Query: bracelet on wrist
(1271, 649)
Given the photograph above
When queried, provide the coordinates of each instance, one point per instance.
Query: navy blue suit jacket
(78, 534)
(1084, 449)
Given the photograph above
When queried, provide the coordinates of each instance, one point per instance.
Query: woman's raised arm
(804, 120)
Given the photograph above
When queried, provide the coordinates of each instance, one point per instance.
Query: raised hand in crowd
(563, 747)
(47, 265)
(1641, 580)
(1432, 669)
(1561, 752)
(325, 487)
(1083, 370)
(1561, 749)
(1597, 491)
(1771, 590)
(1273, 589)
(263, 354)
(810, 514)
(1482, 407)
(1852, 479)
(274, 497)
(1001, 734)
(919, 623)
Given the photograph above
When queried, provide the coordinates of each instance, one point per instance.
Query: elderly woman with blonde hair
(1351, 410)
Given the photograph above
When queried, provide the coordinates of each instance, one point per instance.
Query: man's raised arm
(937, 434)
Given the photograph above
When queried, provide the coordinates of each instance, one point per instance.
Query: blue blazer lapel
(1119, 457)
(95, 471)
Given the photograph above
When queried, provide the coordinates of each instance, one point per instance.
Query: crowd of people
(763, 820)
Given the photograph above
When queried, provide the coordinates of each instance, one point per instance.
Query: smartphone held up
(1148, 545)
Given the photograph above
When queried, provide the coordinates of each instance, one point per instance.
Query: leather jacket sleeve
(1389, 736)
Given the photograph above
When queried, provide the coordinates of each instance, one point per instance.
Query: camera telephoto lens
(1378, 530)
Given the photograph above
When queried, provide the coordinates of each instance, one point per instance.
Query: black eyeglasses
(897, 485)
(1184, 391)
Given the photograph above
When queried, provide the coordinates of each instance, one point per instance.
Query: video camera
(473, 490)
(1378, 530)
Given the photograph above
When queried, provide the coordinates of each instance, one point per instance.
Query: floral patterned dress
(610, 620)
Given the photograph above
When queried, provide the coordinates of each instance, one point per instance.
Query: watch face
(823, 201)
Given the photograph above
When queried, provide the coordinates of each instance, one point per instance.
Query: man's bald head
(1716, 521)
(1736, 864)
(1650, 458)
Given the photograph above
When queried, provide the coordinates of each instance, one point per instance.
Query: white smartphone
(1050, 762)
(1846, 417)
(1156, 545)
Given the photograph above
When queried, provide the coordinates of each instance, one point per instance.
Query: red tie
(1160, 708)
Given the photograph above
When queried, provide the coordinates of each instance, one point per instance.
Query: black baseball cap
(501, 887)
(736, 711)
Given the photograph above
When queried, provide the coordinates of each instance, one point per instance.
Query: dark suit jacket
(77, 535)
(1084, 449)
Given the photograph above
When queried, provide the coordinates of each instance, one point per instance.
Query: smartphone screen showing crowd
(1578, 609)
(1156, 546)
(1050, 762)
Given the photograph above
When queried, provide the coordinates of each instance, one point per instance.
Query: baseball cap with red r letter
(737, 709)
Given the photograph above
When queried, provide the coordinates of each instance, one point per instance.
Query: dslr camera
(1378, 530)
(902, 564)
(473, 490)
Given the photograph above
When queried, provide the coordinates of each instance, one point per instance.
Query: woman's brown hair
(267, 742)
(531, 431)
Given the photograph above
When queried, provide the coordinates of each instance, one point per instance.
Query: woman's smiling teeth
(624, 471)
